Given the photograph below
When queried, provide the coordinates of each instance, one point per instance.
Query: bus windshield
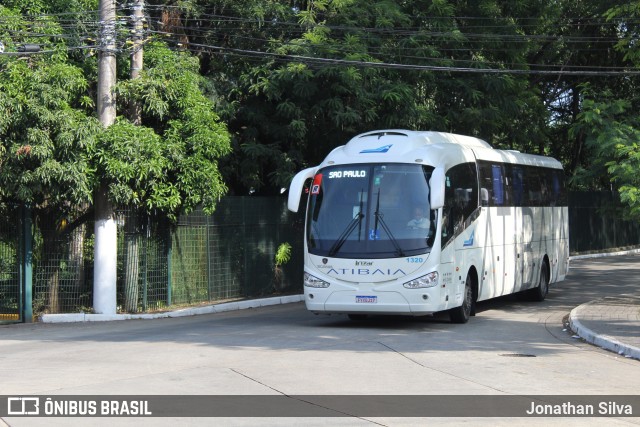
(370, 211)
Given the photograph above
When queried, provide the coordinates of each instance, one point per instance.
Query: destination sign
(348, 174)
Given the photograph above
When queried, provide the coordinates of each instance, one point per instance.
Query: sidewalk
(612, 323)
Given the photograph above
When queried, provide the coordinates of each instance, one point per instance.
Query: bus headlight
(428, 281)
(314, 282)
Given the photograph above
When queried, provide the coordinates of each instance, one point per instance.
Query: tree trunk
(131, 264)
(76, 258)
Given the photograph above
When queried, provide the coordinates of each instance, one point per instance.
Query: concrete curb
(604, 341)
(605, 254)
(190, 311)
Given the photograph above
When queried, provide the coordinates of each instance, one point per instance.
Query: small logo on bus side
(469, 241)
(382, 149)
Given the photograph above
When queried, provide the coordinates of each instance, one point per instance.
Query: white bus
(413, 223)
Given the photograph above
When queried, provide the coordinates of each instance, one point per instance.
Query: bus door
(503, 235)
(460, 235)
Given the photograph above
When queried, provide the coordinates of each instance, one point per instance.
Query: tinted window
(461, 198)
(370, 210)
(520, 185)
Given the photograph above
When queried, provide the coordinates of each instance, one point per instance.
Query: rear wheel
(461, 314)
(539, 293)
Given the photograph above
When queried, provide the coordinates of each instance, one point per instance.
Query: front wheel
(461, 314)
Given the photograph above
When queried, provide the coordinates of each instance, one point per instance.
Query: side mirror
(484, 197)
(296, 186)
(437, 183)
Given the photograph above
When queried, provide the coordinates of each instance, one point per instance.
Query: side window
(520, 185)
(486, 184)
(559, 193)
(517, 185)
(533, 184)
(493, 181)
(498, 185)
(461, 198)
(545, 186)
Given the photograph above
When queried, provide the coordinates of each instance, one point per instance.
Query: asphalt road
(510, 347)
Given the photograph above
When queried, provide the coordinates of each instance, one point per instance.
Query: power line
(47, 51)
(390, 45)
(405, 53)
(416, 67)
(393, 31)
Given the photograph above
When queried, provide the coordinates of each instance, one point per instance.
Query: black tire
(539, 293)
(461, 314)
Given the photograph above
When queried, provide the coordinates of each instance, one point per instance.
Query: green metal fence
(10, 263)
(62, 263)
(230, 254)
(596, 223)
(143, 259)
(202, 258)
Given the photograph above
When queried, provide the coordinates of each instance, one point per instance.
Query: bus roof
(414, 139)
(399, 145)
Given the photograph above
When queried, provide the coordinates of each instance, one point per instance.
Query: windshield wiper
(343, 237)
(357, 220)
(379, 218)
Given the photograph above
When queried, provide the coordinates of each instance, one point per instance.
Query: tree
(612, 136)
(608, 123)
(169, 163)
(54, 153)
(54, 150)
(45, 132)
(305, 76)
(304, 79)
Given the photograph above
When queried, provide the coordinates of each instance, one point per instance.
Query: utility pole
(137, 55)
(106, 247)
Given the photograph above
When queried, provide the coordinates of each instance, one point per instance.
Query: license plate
(366, 299)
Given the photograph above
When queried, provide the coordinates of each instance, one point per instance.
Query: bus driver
(418, 220)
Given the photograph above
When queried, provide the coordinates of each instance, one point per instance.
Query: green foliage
(45, 134)
(299, 110)
(303, 101)
(628, 42)
(283, 254)
(170, 162)
(53, 150)
(613, 138)
(315, 87)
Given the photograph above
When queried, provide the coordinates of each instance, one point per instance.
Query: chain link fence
(10, 262)
(200, 259)
(62, 263)
(596, 223)
(207, 258)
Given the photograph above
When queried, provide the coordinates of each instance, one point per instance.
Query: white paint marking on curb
(190, 311)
